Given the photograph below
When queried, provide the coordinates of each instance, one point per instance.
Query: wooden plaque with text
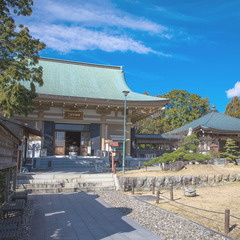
(73, 114)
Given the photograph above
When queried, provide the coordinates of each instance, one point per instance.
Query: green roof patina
(213, 121)
(74, 79)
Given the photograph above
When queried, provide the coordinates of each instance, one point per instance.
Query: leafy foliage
(18, 59)
(182, 108)
(188, 152)
(231, 150)
(233, 107)
(191, 143)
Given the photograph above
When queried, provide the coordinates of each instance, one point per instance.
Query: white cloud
(234, 91)
(87, 25)
(91, 15)
(65, 39)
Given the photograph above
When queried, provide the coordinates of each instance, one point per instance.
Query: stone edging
(145, 183)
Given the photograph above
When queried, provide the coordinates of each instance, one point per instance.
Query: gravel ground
(159, 221)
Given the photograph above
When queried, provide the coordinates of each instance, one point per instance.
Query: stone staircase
(60, 162)
(57, 183)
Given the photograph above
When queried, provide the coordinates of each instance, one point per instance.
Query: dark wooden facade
(8, 161)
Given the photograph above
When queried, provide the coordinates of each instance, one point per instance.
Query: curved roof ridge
(80, 63)
(211, 114)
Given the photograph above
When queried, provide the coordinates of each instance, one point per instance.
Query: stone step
(55, 183)
(44, 190)
(94, 184)
(35, 181)
(68, 189)
(64, 184)
(59, 180)
(62, 176)
(40, 185)
(93, 189)
(70, 185)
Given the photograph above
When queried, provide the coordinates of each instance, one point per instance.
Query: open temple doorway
(72, 139)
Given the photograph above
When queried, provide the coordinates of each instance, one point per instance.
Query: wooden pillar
(40, 117)
(103, 136)
(7, 185)
(103, 126)
(14, 178)
(128, 139)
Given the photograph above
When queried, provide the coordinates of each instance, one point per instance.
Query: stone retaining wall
(164, 182)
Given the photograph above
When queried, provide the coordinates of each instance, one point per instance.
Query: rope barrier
(200, 208)
(198, 214)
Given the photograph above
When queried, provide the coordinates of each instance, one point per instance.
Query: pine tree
(231, 150)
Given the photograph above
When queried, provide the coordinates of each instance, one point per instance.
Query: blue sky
(162, 45)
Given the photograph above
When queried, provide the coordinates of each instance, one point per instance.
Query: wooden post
(7, 182)
(171, 192)
(112, 162)
(227, 221)
(15, 179)
(132, 188)
(153, 188)
(139, 165)
(157, 196)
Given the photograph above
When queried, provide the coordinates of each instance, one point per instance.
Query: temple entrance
(72, 142)
(69, 141)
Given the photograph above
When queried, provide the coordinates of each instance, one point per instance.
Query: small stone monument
(189, 191)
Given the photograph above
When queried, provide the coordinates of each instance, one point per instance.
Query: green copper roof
(213, 120)
(65, 78)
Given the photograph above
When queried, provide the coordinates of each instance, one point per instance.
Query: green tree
(183, 108)
(187, 152)
(232, 150)
(150, 125)
(233, 107)
(19, 54)
(191, 143)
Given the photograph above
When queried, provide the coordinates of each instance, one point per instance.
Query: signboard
(73, 114)
(114, 144)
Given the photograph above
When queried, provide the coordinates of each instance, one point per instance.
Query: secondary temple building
(81, 107)
(212, 130)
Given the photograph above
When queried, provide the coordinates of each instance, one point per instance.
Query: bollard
(132, 189)
(171, 192)
(114, 171)
(139, 165)
(153, 188)
(157, 196)
(227, 221)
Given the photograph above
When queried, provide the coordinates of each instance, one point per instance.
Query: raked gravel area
(165, 224)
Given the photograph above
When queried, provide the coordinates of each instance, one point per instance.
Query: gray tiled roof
(213, 120)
